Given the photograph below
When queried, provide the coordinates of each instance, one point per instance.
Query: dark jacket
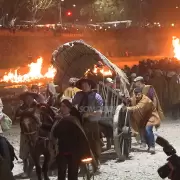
(5, 172)
(71, 138)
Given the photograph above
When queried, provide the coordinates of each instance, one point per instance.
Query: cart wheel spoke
(124, 134)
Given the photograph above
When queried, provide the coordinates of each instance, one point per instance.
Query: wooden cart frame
(73, 59)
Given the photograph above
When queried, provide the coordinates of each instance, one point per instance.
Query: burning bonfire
(99, 69)
(35, 73)
(176, 46)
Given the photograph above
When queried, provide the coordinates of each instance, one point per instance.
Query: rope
(30, 133)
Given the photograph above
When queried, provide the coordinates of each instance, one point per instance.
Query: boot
(152, 150)
(138, 139)
(143, 146)
(25, 167)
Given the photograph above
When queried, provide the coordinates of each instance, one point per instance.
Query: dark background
(165, 11)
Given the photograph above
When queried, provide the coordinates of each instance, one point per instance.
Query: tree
(37, 7)
(104, 10)
(9, 10)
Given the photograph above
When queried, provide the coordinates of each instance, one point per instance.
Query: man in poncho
(144, 118)
(90, 106)
(150, 92)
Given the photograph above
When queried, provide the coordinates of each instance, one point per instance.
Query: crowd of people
(163, 75)
(154, 88)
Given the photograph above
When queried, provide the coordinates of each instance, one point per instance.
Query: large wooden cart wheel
(122, 132)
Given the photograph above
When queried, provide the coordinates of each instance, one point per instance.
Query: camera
(172, 168)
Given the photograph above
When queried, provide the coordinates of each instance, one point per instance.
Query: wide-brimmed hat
(24, 95)
(65, 98)
(89, 81)
(109, 80)
(139, 78)
(35, 86)
(73, 80)
(133, 75)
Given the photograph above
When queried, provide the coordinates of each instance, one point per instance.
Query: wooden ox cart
(75, 58)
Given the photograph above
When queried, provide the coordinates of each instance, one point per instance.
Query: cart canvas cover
(74, 58)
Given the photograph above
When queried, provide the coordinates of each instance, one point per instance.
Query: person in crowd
(109, 82)
(40, 98)
(6, 163)
(28, 102)
(144, 118)
(147, 79)
(1, 116)
(133, 76)
(51, 95)
(150, 92)
(5, 171)
(90, 105)
(174, 94)
(160, 85)
(72, 89)
(72, 142)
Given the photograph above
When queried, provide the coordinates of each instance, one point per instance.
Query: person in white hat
(109, 82)
(138, 79)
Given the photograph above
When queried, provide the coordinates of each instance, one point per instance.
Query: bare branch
(34, 6)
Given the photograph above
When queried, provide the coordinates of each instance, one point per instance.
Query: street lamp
(60, 11)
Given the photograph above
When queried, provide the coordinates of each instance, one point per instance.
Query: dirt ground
(140, 166)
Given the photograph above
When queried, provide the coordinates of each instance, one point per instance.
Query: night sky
(152, 10)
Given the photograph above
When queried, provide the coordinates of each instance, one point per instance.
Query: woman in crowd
(73, 145)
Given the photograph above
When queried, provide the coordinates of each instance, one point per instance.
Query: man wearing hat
(144, 118)
(90, 105)
(40, 98)
(150, 92)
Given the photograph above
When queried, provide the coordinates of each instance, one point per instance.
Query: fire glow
(99, 70)
(33, 74)
(176, 46)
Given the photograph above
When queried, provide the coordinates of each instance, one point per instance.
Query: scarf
(84, 101)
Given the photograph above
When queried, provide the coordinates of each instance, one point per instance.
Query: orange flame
(33, 74)
(104, 72)
(87, 160)
(176, 46)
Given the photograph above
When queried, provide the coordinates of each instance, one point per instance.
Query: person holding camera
(144, 118)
